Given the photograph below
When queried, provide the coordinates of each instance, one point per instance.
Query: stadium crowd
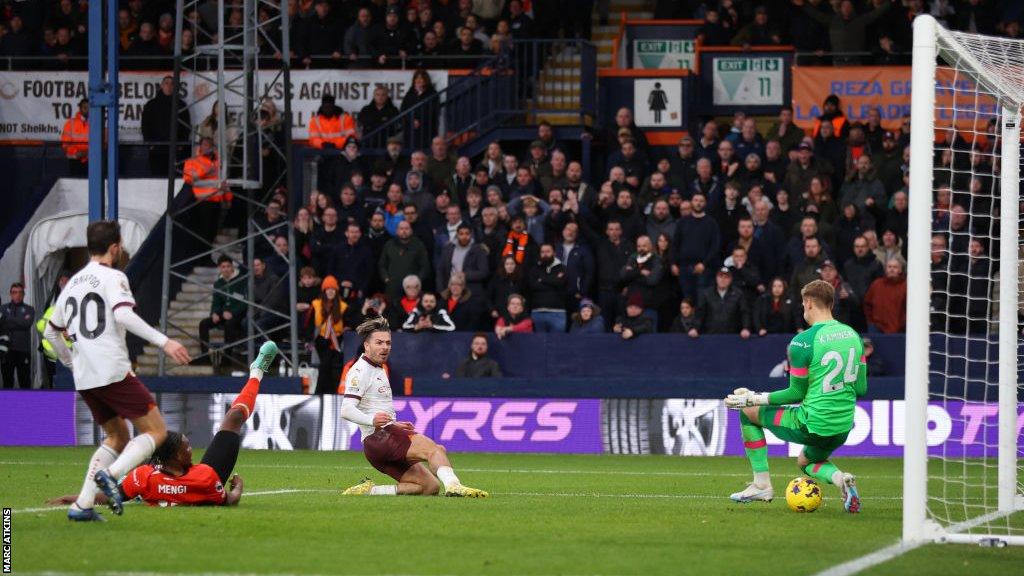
(455, 33)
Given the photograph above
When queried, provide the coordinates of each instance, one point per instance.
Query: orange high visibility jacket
(839, 122)
(335, 130)
(201, 168)
(75, 137)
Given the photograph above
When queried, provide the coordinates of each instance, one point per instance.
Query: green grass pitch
(547, 515)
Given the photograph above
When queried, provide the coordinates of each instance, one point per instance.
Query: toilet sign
(658, 102)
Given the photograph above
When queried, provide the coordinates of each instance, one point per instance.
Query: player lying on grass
(174, 481)
(827, 374)
(392, 447)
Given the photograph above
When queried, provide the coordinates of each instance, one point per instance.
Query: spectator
(624, 119)
(17, 41)
(547, 283)
(16, 319)
(421, 125)
(660, 220)
(358, 39)
(228, 307)
(833, 149)
(788, 134)
(876, 367)
(807, 270)
(514, 319)
(579, 264)
(399, 310)
(352, 263)
(847, 31)
(746, 277)
(75, 141)
(863, 267)
(393, 42)
(466, 308)
(722, 309)
(440, 164)
(634, 322)
(686, 321)
(891, 248)
(864, 189)
(696, 245)
(714, 32)
(684, 163)
(518, 243)
(509, 280)
(587, 320)
(706, 183)
(758, 32)
(803, 169)
(372, 117)
(795, 252)
(428, 316)
(459, 182)
(642, 271)
(322, 37)
(403, 256)
(749, 142)
(325, 240)
(847, 301)
(774, 311)
(156, 129)
(885, 304)
(328, 324)
(463, 256)
(478, 364)
(729, 213)
(308, 290)
(270, 293)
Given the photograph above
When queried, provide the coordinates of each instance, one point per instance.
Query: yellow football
(803, 495)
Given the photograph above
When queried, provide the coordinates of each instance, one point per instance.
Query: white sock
(136, 452)
(389, 490)
(837, 479)
(103, 457)
(762, 479)
(256, 373)
(447, 476)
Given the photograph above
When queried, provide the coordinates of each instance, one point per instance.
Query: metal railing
(267, 62)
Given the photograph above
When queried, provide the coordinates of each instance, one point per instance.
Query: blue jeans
(692, 283)
(548, 321)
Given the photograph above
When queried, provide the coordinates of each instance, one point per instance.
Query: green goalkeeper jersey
(827, 373)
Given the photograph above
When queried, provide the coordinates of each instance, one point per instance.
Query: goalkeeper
(827, 374)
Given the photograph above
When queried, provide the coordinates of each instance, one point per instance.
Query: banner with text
(35, 106)
(888, 88)
(651, 54)
(675, 426)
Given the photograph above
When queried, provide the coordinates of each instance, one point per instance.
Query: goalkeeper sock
(821, 471)
(754, 445)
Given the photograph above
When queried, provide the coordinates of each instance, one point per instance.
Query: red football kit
(200, 485)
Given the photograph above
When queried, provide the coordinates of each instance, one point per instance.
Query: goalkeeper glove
(741, 398)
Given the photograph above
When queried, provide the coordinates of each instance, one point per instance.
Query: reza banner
(35, 105)
(861, 88)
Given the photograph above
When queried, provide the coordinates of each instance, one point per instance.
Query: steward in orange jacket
(331, 127)
(75, 141)
(202, 171)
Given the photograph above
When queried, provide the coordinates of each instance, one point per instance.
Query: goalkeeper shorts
(784, 422)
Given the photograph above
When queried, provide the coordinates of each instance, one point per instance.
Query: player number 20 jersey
(830, 355)
(85, 309)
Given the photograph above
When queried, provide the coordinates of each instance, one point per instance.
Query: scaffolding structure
(235, 68)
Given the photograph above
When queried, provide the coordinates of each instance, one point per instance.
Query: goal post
(963, 294)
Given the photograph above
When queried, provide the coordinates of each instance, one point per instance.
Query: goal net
(962, 475)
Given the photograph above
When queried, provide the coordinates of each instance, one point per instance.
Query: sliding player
(390, 446)
(94, 310)
(174, 480)
(827, 374)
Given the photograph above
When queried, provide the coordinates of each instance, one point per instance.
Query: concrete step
(556, 119)
(194, 296)
(556, 103)
(559, 88)
(181, 316)
(183, 305)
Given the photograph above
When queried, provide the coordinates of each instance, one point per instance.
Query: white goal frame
(917, 526)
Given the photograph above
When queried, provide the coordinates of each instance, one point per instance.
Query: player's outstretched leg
(436, 457)
(754, 444)
(116, 436)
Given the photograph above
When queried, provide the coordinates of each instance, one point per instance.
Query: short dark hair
(101, 235)
(17, 285)
(169, 449)
(225, 258)
(462, 227)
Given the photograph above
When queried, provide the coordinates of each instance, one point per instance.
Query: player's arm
(130, 321)
(861, 386)
(799, 362)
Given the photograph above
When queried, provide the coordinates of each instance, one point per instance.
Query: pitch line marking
(484, 470)
(244, 494)
(869, 560)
